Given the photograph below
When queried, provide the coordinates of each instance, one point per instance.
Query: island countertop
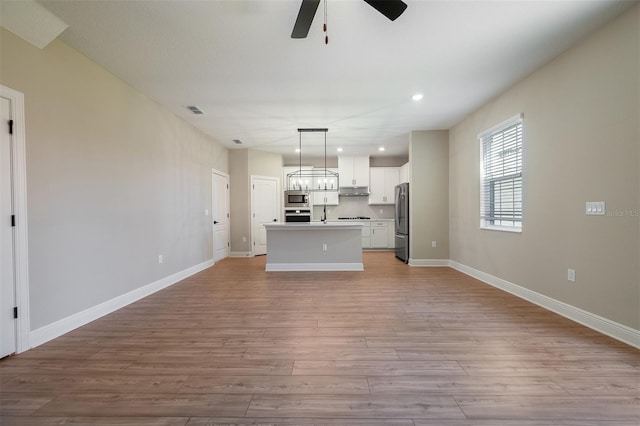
(308, 226)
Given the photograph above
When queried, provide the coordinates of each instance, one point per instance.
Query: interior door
(220, 215)
(7, 266)
(265, 199)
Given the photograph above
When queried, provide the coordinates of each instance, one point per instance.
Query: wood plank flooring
(393, 345)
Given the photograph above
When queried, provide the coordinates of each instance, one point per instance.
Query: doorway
(14, 289)
(265, 202)
(220, 214)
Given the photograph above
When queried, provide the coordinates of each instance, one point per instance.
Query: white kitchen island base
(314, 247)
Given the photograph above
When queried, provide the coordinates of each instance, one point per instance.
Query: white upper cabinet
(325, 189)
(404, 173)
(382, 183)
(354, 171)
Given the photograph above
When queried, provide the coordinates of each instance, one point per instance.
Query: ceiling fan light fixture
(417, 97)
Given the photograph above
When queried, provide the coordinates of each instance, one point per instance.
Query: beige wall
(429, 195)
(113, 181)
(245, 163)
(239, 199)
(265, 164)
(581, 144)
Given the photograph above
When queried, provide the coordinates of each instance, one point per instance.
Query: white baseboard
(428, 262)
(272, 267)
(613, 329)
(65, 325)
(240, 254)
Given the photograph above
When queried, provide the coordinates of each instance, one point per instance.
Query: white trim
(21, 250)
(501, 126)
(240, 254)
(271, 267)
(65, 325)
(428, 262)
(613, 329)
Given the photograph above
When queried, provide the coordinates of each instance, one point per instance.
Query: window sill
(502, 228)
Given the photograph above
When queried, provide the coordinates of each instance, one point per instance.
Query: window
(501, 176)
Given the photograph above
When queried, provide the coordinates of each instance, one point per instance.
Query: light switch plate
(595, 208)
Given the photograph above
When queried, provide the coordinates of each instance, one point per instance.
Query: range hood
(353, 191)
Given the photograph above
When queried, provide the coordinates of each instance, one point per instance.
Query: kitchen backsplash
(353, 207)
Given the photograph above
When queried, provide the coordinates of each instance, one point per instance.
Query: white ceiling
(236, 61)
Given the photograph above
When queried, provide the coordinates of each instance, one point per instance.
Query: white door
(7, 266)
(220, 215)
(265, 202)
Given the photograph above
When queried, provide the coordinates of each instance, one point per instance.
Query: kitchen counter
(296, 226)
(315, 246)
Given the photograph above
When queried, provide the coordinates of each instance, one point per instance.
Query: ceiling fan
(389, 8)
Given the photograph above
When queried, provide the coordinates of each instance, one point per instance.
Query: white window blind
(501, 176)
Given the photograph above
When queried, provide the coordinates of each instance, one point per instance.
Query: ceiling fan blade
(305, 18)
(389, 8)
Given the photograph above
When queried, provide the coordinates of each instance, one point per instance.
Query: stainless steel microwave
(297, 199)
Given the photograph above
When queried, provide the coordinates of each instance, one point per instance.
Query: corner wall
(582, 139)
(429, 197)
(113, 181)
(243, 164)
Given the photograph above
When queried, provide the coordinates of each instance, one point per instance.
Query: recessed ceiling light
(297, 149)
(381, 148)
(417, 96)
(339, 149)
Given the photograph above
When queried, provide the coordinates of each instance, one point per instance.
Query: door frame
(19, 188)
(213, 235)
(251, 213)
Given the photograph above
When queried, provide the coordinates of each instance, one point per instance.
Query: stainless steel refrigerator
(401, 197)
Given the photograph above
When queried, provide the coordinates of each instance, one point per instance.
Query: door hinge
(10, 127)
(228, 245)
(227, 186)
(15, 312)
(13, 220)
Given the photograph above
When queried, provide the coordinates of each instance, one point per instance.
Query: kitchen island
(315, 246)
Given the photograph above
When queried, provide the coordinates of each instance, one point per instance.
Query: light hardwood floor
(393, 345)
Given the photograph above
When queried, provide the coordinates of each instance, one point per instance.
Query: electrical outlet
(244, 239)
(206, 212)
(324, 247)
(571, 275)
(434, 244)
(160, 258)
(381, 211)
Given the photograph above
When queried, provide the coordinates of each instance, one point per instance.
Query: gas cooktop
(354, 218)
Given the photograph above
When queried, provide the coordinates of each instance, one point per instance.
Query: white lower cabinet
(366, 235)
(379, 235)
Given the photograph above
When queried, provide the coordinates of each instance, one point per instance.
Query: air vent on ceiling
(194, 109)
(237, 141)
